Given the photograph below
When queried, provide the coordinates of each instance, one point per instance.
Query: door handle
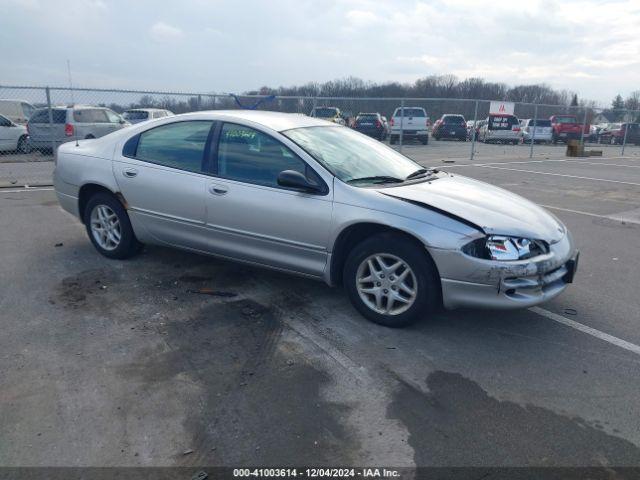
(218, 189)
(130, 172)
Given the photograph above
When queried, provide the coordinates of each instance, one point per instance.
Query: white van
(18, 111)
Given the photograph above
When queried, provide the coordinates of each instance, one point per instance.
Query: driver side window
(250, 156)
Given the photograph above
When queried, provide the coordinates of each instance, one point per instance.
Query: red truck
(567, 127)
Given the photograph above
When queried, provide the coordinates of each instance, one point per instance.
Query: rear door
(5, 134)
(542, 128)
(505, 127)
(252, 218)
(42, 132)
(161, 173)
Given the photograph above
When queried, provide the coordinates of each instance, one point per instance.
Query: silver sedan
(317, 199)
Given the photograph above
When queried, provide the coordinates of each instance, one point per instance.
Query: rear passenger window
(90, 116)
(178, 145)
(42, 116)
(246, 155)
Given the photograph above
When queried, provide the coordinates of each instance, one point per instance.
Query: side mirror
(297, 181)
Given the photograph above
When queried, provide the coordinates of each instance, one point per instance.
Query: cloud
(361, 18)
(161, 32)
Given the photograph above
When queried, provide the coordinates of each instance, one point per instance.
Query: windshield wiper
(419, 173)
(377, 179)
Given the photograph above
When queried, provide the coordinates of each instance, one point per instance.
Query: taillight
(378, 124)
(427, 123)
(515, 128)
(391, 122)
(68, 130)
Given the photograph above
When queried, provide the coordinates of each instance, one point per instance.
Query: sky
(590, 47)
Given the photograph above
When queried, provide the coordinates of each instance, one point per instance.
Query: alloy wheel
(386, 284)
(105, 227)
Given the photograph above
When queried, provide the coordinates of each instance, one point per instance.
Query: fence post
(473, 131)
(199, 105)
(624, 140)
(535, 124)
(401, 122)
(314, 104)
(53, 141)
(584, 126)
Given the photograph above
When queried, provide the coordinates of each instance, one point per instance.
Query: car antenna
(73, 101)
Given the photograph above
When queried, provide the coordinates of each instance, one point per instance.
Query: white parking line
(520, 162)
(28, 189)
(560, 175)
(613, 216)
(618, 342)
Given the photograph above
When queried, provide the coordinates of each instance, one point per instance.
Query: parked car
(615, 134)
(371, 124)
(18, 111)
(13, 137)
(137, 115)
(413, 122)
(567, 127)
(500, 128)
(331, 114)
(450, 126)
(539, 130)
(71, 123)
(474, 130)
(385, 122)
(301, 195)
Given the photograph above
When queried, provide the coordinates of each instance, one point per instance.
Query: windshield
(568, 119)
(135, 115)
(350, 155)
(410, 112)
(325, 112)
(453, 120)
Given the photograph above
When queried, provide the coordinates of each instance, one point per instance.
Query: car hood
(493, 209)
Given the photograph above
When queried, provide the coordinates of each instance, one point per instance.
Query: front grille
(519, 286)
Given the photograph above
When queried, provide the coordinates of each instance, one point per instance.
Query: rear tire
(425, 140)
(23, 145)
(109, 227)
(413, 285)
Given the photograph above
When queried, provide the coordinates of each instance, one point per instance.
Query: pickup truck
(566, 127)
(413, 122)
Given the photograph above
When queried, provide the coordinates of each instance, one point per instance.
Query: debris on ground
(214, 293)
(187, 452)
(570, 311)
(59, 244)
(201, 475)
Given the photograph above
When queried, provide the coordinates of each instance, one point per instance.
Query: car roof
(146, 110)
(274, 120)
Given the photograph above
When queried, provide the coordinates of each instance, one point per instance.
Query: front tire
(391, 280)
(109, 227)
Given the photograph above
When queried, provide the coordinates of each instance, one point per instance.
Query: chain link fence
(38, 119)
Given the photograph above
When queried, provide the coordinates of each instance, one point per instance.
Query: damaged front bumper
(474, 282)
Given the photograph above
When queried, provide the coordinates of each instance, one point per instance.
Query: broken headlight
(505, 248)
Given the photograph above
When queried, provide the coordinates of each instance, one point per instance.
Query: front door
(252, 218)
